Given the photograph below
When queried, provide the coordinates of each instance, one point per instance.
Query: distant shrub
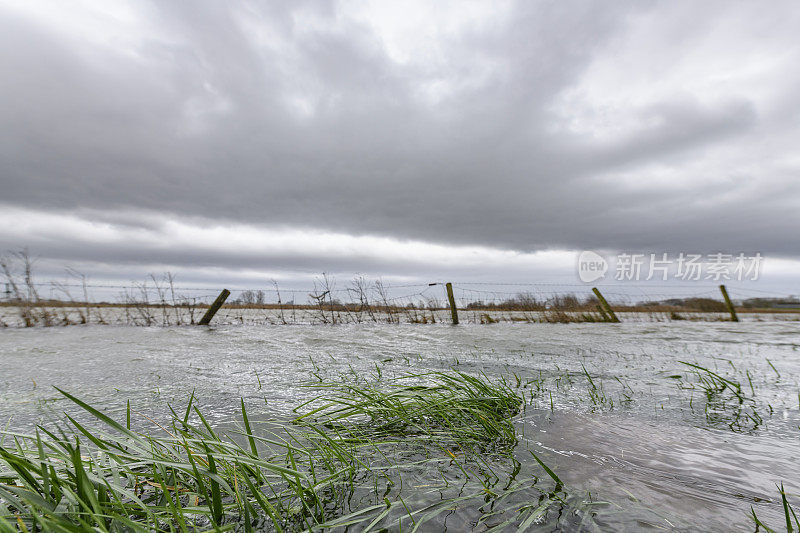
(706, 305)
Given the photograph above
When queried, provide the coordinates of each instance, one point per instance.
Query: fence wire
(161, 301)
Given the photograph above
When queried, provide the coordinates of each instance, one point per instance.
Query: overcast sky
(256, 140)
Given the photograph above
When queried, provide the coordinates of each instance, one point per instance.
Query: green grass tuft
(402, 455)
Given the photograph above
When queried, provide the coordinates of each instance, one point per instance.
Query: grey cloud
(203, 120)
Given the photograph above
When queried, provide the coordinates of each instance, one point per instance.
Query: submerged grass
(726, 404)
(404, 456)
(789, 515)
(449, 407)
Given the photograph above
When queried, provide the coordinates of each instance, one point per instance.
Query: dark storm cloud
(297, 114)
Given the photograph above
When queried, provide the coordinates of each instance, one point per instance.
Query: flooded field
(15, 317)
(678, 425)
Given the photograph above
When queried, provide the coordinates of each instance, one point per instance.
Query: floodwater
(639, 432)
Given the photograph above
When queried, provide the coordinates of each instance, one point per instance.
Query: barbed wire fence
(159, 301)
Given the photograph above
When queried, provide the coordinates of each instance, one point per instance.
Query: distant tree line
(772, 303)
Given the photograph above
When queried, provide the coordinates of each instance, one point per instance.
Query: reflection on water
(610, 407)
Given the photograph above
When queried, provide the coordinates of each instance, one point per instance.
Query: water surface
(635, 435)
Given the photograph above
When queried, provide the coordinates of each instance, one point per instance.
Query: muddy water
(639, 432)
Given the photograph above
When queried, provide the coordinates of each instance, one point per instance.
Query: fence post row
(214, 307)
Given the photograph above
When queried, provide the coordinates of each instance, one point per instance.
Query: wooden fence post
(453, 310)
(729, 304)
(604, 305)
(212, 310)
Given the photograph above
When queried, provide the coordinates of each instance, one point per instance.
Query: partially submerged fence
(161, 302)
